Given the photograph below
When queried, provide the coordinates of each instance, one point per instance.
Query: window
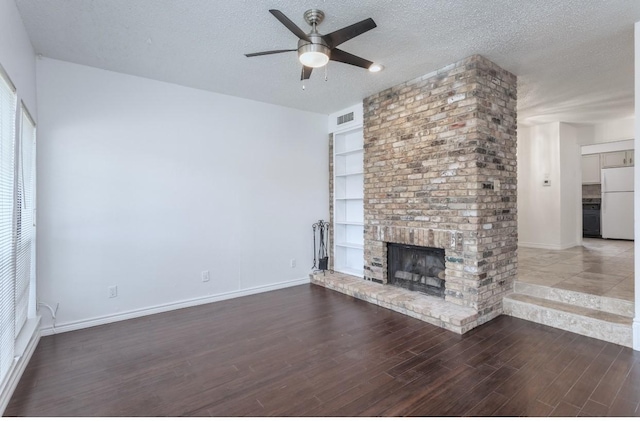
(8, 105)
(25, 231)
(17, 231)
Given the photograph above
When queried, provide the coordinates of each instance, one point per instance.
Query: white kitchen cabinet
(591, 169)
(617, 159)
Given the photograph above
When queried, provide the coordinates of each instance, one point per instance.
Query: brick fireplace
(440, 172)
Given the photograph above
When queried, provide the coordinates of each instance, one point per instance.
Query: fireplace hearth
(416, 268)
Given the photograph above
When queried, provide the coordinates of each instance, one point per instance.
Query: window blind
(8, 105)
(24, 217)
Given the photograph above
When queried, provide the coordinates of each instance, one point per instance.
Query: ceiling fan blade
(289, 24)
(336, 38)
(348, 58)
(264, 53)
(306, 73)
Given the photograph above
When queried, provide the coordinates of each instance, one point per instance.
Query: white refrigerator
(617, 203)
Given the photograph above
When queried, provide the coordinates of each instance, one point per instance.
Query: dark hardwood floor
(310, 351)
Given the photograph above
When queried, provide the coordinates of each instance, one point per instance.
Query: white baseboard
(636, 334)
(547, 245)
(20, 363)
(92, 322)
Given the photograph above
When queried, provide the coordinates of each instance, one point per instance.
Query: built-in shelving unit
(348, 207)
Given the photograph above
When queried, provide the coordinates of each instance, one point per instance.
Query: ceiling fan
(314, 49)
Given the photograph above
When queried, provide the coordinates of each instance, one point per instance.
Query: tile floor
(598, 267)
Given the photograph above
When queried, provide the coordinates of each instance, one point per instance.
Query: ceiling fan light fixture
(313, 55)
(376, 67)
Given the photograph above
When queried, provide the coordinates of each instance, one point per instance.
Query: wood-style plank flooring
(313, 352)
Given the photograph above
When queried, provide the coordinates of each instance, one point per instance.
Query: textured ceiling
(573, 58)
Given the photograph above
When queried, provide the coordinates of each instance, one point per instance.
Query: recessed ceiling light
(376, 67)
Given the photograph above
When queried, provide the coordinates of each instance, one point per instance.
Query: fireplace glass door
(416, 268)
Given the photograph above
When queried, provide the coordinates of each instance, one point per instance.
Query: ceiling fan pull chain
(325, 72)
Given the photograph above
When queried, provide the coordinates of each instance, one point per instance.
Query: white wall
(17, 55)
(571, 187)
(145, 184)
(547, 214)
(609, 131)
(538, 205)
(608, 147)
(357, 121)
(614, 130)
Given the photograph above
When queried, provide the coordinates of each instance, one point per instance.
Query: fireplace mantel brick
(440, 171)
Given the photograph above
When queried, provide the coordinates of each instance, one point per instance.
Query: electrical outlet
(113, 291)
(205, 276)
(293, 263)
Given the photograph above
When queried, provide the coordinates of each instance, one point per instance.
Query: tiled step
(585, 300)
(593, 323)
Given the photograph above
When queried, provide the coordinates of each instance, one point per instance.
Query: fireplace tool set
(320, 255)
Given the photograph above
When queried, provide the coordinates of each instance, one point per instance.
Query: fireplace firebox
(416, 268)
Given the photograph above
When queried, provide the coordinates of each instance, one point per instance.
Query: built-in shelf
(348, 194)
(350, 245)
(349, 152)
(351, 271)
(353, 173)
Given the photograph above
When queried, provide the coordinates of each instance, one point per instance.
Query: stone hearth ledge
(436, 311)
